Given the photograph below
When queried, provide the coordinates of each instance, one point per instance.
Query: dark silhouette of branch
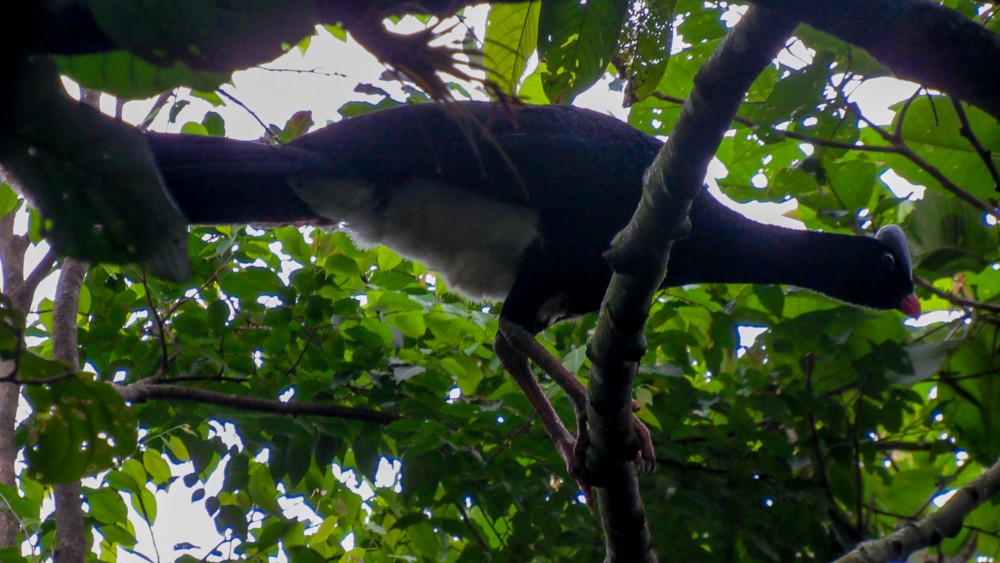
(161, 334)
(967, 132)
(639, 255)
(896, 146)
(26, 289)
(12, 252)
(901, 148)
(960, 301)
(476, 535)
(943, 523)
(142, 392)
(901, 446)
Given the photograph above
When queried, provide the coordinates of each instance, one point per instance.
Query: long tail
(224, 181)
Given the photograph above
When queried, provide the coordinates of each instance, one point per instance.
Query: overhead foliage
(834, 426)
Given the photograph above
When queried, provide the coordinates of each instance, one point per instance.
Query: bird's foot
(576, 469)
(645, 453)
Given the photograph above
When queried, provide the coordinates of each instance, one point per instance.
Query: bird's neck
(738, 250)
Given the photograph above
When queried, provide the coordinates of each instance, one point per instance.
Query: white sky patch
(944, 497)
(748, 336)
(901, 187)
(934, 317)
(875, 96)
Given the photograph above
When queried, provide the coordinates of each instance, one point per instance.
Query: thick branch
(639, 256)
(945, 522)
(918, 40)
(12, 250)
(71, 534)
(142, 392)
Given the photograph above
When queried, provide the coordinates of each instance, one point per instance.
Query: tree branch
(901, 446)
(142, 392)
(639, 256)
(71, 534)
(984, 154)
(12, 270)
(961, 301)
(943, 523)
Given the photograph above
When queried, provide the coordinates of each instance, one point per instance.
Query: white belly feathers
(474, 242)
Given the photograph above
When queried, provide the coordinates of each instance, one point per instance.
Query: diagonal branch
(943, 523)
(639, 256)
(981, 151)
(957, 300)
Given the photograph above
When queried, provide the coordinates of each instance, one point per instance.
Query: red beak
(910, 306)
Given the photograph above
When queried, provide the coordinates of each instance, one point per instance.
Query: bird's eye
(888, 261)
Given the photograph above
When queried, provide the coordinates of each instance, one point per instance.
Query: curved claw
(645, 458)
(574, 466)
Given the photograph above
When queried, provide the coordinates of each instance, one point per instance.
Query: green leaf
(771, 297)
(80, 427)
(251, 283)
(106, 505)
(129, 77)
(853, 182)
(156, 467)
(8, 199)
(410, 324)
(646, 47)
(947, 235)
(511, 38)
(299, 124)
(214, 124)
(386, 258)
(215, 35)
(577, 41)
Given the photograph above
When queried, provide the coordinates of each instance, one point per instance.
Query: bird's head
(891, 275)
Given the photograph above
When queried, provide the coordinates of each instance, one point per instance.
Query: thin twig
(154, 110)
(142, 392)
(235, 100)
(901, 446)
(35, 277)
(475, 531)
(310, 333)
(201, 378)
(967, 132)
(951, 297)
(161, 334)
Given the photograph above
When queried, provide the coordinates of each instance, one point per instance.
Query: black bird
(515, 204)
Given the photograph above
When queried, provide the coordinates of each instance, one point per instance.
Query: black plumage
(512, 203)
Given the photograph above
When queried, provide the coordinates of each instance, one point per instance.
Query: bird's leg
(525, 343)
(516, 364)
